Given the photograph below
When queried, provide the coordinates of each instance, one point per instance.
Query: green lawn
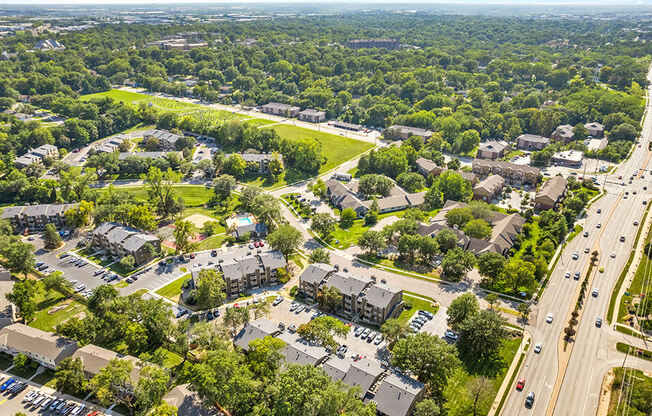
(119, 95)
(48, 322)
(260, 121)
(212, 242)
(193, 195)
(172, 290)
(139, 292)
(121, 284)
(336, 149)
(636, 286)
(625, 349)
(417, 304)
(5, 361)
(45, 378)
(25, 372)
(264, 181)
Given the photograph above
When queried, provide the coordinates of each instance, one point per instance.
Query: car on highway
(598, 322)
(599, 210)
(586, 233)
(586, 249)
(567, 274)
(529, 400)
(576, 275)
(635, 223)
(599, 225)
(537, 348)
(576, 255)
(594, 292)
(613, 254)
(550, 317)
(520, 384)
(601, 269)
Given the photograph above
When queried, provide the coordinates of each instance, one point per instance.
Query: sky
(348, 2)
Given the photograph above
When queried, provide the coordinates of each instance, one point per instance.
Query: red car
(93, 413)
(262, 244)
(256, 243)
(192, 255)
(520, 385)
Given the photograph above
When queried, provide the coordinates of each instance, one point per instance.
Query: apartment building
(399, 132)
(511, 172)
(551, 193)
(491, 150)
(45, 348)
(489, 188)
(166, 139)
(120, 241)
(94, 359)
(36, 156)
(36, 217)
(312, 116)
(595, 129)
(281, 109)
(259, 162)
(531, 142)
(563, 133)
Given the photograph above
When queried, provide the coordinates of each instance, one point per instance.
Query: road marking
(588, 388)
(4, 400)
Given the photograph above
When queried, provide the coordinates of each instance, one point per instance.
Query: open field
(193, 195)
(119, 95)
(336, 149)
(213, 116)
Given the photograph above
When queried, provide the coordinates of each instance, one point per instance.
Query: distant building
(45, 348)
(342, 198)
(346, 126)
(339, 176)
(400, 132)
(563, 133)
(427, 167)
(595, 129)
(121, 241)
(166, 140)
(259, 162)
(489, 188)
(312, 116)
(390, 44)
(491, 150)
(531, 142)
(36, 217)
(597, 144)
(551, 193)
(36, 156)
(280, 109)
(511, 172)
(111, 145)
(569, 158)
(180, 44)
(146, 155)
(49, 45)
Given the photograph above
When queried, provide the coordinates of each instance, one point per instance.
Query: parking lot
(11, 404)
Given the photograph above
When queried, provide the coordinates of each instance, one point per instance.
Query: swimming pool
(244, 221)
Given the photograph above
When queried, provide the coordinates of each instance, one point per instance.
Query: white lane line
(588, 388)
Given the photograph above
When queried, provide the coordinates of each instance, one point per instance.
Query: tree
(372, 241)
(347, 216)
(492, 299)
(160, 188)
(475, 399)
(264, 356)
(19, 256)
(322, 330)
(81, 215)
(51, 236)
(285, 239)
(479, 229)
(236, 317)
(374, 184)
(151, 386)
(461, 308)
(223, 185)
(183, 234)
(524, 311)
(320, 255)
(580, 132)
(624, 131)
(20, 361)
(481, 337)
(140, 216)
(323, 224)
(458, 217)
(210, 289)
(431, 359)
(427, 407)
(392, 329)
(247, 196)
(453, 186)
(111, 381)
(235, 165)
(128, 262)
(267, 209)
(446, 239)
(519, 273)
(164, 409)
(491, 266)
(56, 281)
(329, 299)
(319, 188)
(23, 296)
(411, 181)
(371, 217)
(456, 264)
(408, 245)
(69, 376)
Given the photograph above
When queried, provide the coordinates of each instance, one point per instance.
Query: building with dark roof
(428, 167)
(511, 172)
(120, 241)
(336, 367)
(188, 402)
(491, 150)
(346, 126)
(312, 116)
(36, 217)
(312, 278)
(531, 142)
(35, 156)
(563, 133)
(397, 395)
(551, 193)
(166, 139)
(95, 358)
(258, 329)
(595, 129)
(259, 162)
(303, 353)
(281, 109)
(399, 132)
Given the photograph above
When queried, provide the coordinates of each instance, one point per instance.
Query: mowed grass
(336, 149)
(48, 299)
(172, 290)
(193, 195)
(118, 95)
(417, 305)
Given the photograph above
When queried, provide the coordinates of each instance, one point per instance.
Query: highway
(578, 376)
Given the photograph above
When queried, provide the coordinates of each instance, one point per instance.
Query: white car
(537, 348)
(595, 292)
(567, 274)
(549, 318)
(613, 254)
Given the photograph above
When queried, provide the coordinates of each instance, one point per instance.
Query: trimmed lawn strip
(638, 352)
(118, 95)
(336, 149)
(260, 121)
(417, 304)
(193, 195)
(212, 242)
(45, 378)
(25, 372)
(172, 290)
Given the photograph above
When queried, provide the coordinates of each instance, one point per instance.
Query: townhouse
(531, 142)
(166, 139)
(36, 217)
(37, 155)
(397, 395)
(281, 109)
(399, 132)
(45, 348)
(489, 188)
(551, 193)
(563, 133)
(111, 145)
(428, 167)
(491, 150)
(362, 299)
(120, 241)
(258, 329)
(94, 359)
(312, 116)
(512, 173)
(344, 197)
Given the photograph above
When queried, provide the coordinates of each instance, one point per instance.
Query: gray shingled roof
(347, 284)
(316, 273)
(380, 294)
(136, 241)
(260, 328)
(272, 260)
(24, 338)
(396, 394)
(336, 367)
(363, 373)
(231, 271)
(303, 354)
(95, 358)
(188, 402)
(248, 265)
(11, 212)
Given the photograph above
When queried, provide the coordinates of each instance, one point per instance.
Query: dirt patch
(198, 220)
(59, 307)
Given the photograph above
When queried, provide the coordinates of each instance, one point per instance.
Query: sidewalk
(514, 367)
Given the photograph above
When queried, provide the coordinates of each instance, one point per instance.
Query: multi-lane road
(569, 383)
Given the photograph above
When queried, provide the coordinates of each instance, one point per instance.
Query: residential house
(531, 142)
(595, 129)
(95, 358)
(49, 45)
(121, 241)
(568, 158)
(259, 162)
(551, 193)
(111, 145)
(563, 133)
(166, 139)
(312, 116)
(342, 198)
(363, 373)
(188, 403)
(258, 329)
(35, 217)
(428, 167)
(45, 348)
(346, 126)
(491, 150)
(511, 172)
(391, 44)
(281, 109)
(404, 132)
(397, 395)
(489, 188)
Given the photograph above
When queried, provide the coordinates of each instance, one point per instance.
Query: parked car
(299, 309)
(278, 300)
(371, 337)
(378, 339)
(292, 328)
(358, 330)
(450, 334)
(365, 333)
